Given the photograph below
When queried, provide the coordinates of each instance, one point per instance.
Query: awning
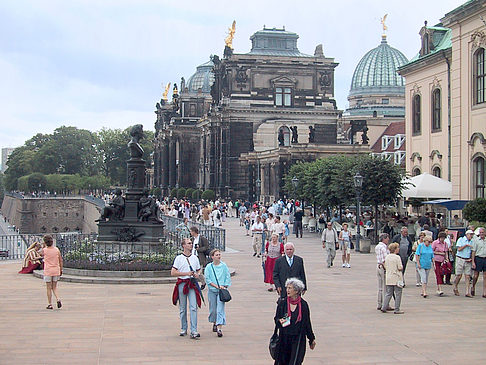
(427, 186)
(449, 204)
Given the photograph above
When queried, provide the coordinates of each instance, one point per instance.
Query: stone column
(165, 166)
(172, 163)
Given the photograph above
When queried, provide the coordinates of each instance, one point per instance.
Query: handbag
(274, 344)
(446, 268)
(224, 294)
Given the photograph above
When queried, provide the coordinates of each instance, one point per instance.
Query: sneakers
(398, 312)
(254, 254)
(195, 336)
(215, 328)
(220, 333)
(344, 265)
(183, 333)
(418, 284)
(348, 266)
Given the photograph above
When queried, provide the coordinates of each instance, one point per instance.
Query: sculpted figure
(136, 151)
(115, 210)
(145, 207)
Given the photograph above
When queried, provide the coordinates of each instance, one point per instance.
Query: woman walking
(273, 250)
(440, 257)
(217, 277)
(424, 260)
(414, 250)
(292, 319)
(345, 240)
(52, 270)
(393, 278)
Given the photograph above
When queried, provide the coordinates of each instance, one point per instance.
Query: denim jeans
(216, 308)
(192, 308)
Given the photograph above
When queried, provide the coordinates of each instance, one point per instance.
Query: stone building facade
(235, 112)
(446, 101)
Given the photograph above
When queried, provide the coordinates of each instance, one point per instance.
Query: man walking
(299, 214)
(479, 260)
(464, 261)
(381, 251)
(257, 231)
(405, 246)
(329, 240)
(288, 266)
(186, 268)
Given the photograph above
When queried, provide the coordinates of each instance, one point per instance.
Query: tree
(475, 210)
(208, 195)
(181, 193)
(36, 182)
(2, 188)
(20, 163)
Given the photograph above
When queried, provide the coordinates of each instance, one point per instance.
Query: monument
(133, 218)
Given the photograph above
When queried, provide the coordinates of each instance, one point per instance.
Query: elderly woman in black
(293, 321)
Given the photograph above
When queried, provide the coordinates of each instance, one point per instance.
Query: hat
(469, 231)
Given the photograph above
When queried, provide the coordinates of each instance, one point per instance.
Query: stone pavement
(137, 324)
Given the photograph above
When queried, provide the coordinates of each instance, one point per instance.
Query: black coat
(282, 271)
(202, 250)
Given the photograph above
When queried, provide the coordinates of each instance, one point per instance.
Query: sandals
(220, 333)
(49, 307)
(59, 304)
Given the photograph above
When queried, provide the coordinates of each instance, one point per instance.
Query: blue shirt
(466, 252)
(222, 274)
(426, 254)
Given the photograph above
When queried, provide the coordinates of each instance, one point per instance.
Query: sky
(103, 63)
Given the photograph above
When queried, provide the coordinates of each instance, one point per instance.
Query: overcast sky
(102, 63)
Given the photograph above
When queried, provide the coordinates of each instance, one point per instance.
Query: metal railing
(216, 236)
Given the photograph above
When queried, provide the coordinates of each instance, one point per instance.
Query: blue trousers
(216, 308)
(192, 308)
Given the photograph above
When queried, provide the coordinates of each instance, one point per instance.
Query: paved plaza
(137, 324)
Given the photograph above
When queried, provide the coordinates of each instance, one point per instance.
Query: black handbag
(224, 294)
(274, 344)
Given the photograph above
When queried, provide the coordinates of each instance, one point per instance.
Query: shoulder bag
(224, 294)
(274, 344)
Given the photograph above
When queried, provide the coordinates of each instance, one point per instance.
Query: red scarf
(294, 302)
(188, 284)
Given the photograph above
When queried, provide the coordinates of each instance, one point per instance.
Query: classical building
(445, 100)
(377, 94)
(391, 144)
(240, 122)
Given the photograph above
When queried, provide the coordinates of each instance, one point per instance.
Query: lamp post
(358, 183)
(258, 184)
(295, 185)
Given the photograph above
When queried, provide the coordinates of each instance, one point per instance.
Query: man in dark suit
(288, 266)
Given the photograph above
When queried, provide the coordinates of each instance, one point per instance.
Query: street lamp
(258, 184)
(358, 183)
(295, 182)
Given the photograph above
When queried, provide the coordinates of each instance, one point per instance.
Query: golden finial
(164, 95)
(231, 34)
(385, 28)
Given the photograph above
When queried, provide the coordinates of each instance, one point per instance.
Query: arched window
(416, 171)
(479, 177)
(479, 77)
(416, 116)
(436, 171)
(436, 110)
(284, 136)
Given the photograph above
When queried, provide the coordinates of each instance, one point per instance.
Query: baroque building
(445, 98)
(240, 122)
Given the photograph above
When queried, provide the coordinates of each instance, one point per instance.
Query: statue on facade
(295, 135)
(115, 211)
(280, 137)
(136, 151)
(364, 136)
(146, 207)
(231, 34)
(166, 91)
(312, 134)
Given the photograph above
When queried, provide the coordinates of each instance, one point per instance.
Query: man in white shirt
(278, 228)
(257, 230)
(381, 251)
(329, 240)
(187, 269)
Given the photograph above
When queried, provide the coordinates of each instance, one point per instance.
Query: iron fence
(216, 236)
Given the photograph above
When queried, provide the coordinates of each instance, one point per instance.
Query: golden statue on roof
(231, 34)
(166, 91)
(385, 28)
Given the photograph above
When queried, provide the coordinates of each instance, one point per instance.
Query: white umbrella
(427, 186)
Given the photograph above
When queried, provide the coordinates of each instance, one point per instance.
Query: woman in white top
(345, 242)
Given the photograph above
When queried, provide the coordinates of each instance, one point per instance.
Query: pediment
(283, 80)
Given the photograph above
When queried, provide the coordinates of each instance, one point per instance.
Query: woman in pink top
(52, 270)
(440, 255)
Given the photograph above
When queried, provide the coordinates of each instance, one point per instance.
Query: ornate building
(240, 122)
(446, 101)
(377, 94)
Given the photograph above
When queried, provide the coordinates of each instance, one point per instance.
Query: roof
(275, 42)
(202, 79)
(376, 71)
(441, 40)
(392, 130)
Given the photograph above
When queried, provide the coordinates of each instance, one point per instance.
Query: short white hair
(297, 284)
(289, 244)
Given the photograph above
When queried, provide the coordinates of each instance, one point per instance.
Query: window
(479, 77)
(385, 101)
(479, 177)
(416, 172)
(399, 157)
(385, 142)
(399, 139)
(387, 156)
(436, 110)
(416, 127)
(436, 171)
(283, 96)
(284, 136)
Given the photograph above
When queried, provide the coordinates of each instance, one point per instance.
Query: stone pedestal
(121, 231)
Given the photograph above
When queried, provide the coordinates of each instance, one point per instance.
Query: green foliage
(189, 192)
(173, 193)
(196, 195)
(475, 210)
(208, 195)
(36, 182)
(2, 188)
(181, 193)
(155, 192)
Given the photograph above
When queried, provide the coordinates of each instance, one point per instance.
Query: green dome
(376, 73)
(202, 79)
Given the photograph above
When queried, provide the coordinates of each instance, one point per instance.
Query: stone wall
(51, 215)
